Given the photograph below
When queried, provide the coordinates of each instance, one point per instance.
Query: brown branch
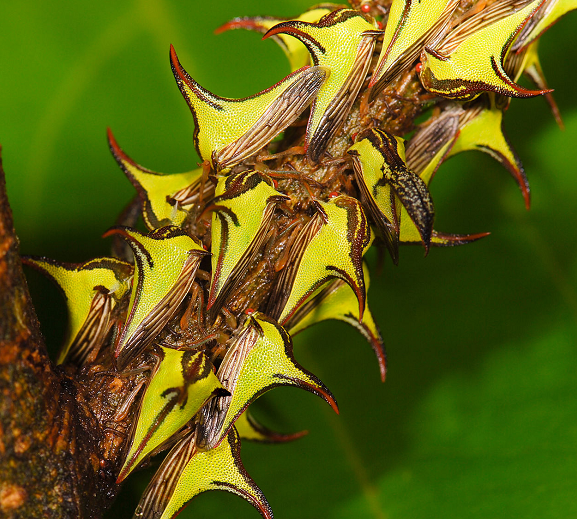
(44, 467)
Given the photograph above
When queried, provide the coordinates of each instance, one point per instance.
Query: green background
(478, 417)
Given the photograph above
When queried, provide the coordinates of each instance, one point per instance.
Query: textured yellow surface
(154, 188)
(334, 252)
(237, 221)
(266, 362)
(411, 23)
(159, 261)
(217, 469)
(476, 64)
(78, 283)
(181, 384)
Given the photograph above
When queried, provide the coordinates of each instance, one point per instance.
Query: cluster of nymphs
(251, 248)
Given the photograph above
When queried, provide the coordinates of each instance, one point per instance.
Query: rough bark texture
(35, 462)
(46, 455)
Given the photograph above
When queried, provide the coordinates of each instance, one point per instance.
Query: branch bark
(44, 467)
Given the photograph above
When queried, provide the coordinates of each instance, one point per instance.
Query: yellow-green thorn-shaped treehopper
(331, 245)
(166, 262)
(226, 131)
(91, 290)
(343, 42)
(411, 25)
(182, 382)
(241, 216)
(337, 301)
(386, 184)
(470, 58)
(188, 471)
(163, 198)
(550, 12)
(481, 128)
(259, 359)
(426, 151)
(476, 126)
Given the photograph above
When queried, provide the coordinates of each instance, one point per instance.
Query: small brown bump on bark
(11, 497)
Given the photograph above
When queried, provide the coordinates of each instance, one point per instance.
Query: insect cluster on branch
(195, 311)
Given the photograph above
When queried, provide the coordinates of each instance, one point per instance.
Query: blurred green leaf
(478, 414)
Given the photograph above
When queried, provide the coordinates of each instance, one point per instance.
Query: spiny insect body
(268, 235)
